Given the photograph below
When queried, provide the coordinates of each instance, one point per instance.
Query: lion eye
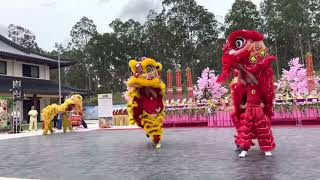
(149, 69)
(239, 43)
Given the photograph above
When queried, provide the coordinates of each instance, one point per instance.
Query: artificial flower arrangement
(302, 103)
(200, 107)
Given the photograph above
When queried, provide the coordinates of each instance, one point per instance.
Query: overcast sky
(52, 20)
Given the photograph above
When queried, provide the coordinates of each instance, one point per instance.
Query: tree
(166, 36)
(183, 34)
(125, 94)
(131, 36)
(291, 26)
(101, 50)
(22, 36)
(82, 32)
(193, 28)
(159, 41)
(242, 15)
(109, 53)
(207, 86)
(54, 73)
(72, 75)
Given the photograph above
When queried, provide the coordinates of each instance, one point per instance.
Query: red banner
(179, 84)
(189, 83)
(310, 75)
(169, 85)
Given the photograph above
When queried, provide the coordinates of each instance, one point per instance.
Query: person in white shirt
(33, 118)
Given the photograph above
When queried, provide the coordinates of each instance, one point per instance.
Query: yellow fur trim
(153, 126)
(146, 62)
(150, 62)
(132, 65)
(140, 82)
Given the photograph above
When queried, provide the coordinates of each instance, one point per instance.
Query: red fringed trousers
(255, 124)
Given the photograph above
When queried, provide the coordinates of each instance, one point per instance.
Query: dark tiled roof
(38, 86)
(11, 50)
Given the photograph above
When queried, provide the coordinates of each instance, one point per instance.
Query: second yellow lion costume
(49, 112)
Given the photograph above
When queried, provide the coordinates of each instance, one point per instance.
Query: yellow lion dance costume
(49, 112)
(146, 90)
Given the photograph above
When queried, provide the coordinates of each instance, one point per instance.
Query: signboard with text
(105, 106)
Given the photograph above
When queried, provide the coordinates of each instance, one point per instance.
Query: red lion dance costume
(252, 89)
(146, 107)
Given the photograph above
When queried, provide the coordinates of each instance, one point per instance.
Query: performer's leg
(153, 130)
(236, 122)
(238, 93)
(64, 125)
(30, 125)
(264, 135)
(35, 125)
(50, 127)
(245, 134)
(84, 124)
(156, 140)
(70, 126)
(45, 128)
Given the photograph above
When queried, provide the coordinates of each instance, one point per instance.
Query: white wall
(14, 68)
(17, 70)
(47, 72)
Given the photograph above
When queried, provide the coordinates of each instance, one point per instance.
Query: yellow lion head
(75, 101)
(145, 73)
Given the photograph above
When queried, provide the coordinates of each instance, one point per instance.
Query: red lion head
(243, 48)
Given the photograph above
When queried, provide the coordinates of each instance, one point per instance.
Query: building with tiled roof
(33, 69)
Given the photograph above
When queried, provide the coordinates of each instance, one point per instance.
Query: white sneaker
(268, 153)
(243, 154)
(158, 146)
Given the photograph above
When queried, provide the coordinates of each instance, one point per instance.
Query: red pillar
(178, 84)
(310, 75)
(169, 85)
(189, 83)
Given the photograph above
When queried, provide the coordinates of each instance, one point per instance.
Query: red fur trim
(260, 130)
(228, 62)
(268, 147)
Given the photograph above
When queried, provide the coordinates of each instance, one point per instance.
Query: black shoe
(84, 124)
(238, 148)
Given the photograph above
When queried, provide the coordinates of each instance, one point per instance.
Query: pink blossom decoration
(295, 78)
(207, 87)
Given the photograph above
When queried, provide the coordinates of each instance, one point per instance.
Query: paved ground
(39, 132)
(198, 153)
